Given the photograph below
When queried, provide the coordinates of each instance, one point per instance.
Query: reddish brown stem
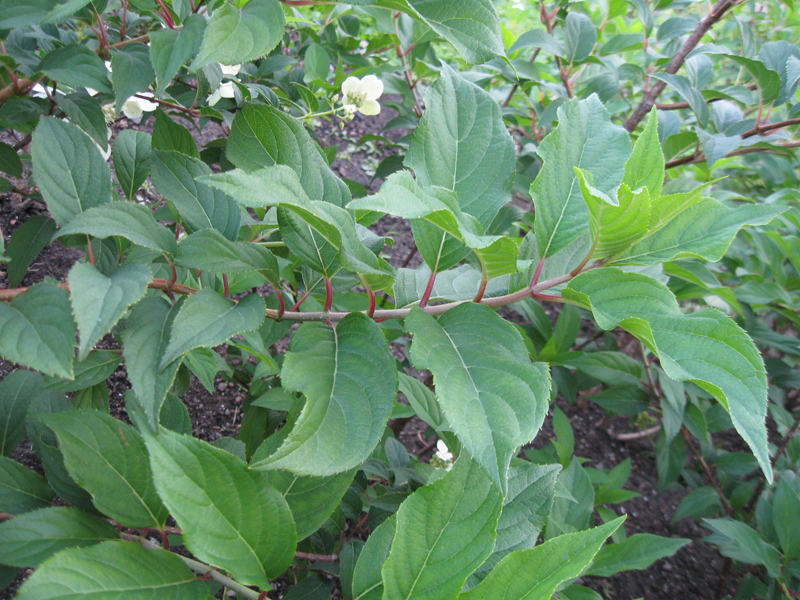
(328, 295)
(428, 291)
(281, 304)
(90, 250)
(225, 285)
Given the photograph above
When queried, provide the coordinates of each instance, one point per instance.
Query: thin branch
(717, 12)
(767, 127)
(709, 473)
(751, 504)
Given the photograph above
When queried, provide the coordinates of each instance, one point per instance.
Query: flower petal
(230, 70)
(351, 84)
(214, 98)
(132, 109)
(226, 90)
(372, 87)
(369, 108)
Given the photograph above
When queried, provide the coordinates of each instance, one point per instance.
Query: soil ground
(693, 573)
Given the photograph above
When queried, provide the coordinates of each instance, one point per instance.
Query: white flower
(134, 107)
(361, 95)
(230, 70)
(442, 452)
(107, 152)
(38, 91)
(226, 90)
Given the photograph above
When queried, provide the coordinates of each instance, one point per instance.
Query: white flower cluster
(226, 89)
(361, 95)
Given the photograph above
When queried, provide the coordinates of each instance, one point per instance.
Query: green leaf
(316, 63)
(22, 489)
(143, 344)
(349, 378)
(69, 169)
(580, 36)
(423, 401)
(171, 136)
(29, 539)
(131, 72)
(638, 551)
(201, 206)
(445, 530)
(785, 504)
(76, 66)
(112, 570)
(784, 58)
(615, 226)
(691, 95)
(86, 113)
(367, 582)
(230, 517)
(538, 38)
(768, 81)
(494, 397)
(208, 250)
(45, 444)
(21, 13)
(238, 35)
(645, 166)
(132, 158)
(472, 26)
(262, 136)
(401, 195)
(25, 245)
(37, 330)
(705, 347)
(535, 574)
(99, 301)
(10, 162)
(17, 390)
(132, 221)
(462, 144)
(170, 49)
(612, 368)
(311, 499)
(573, 508)
(704, 230)
(108, 459)
(584, 138)
(738, 541)
(206, 319)
(525, 511)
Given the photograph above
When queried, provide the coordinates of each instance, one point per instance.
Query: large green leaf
(281, 186)
(86, 113)
(494, 397)
(37, 330)
(472, 26)
(201, 206)
(45, 444)
(445, 530)
(238, 35)
(22, 489)
(585, 138)
(230, 517)
(401, 195)
(170, 49)
(132, 159)
(206, 319)
(638, 551)
(462, 144)
(94, 369)
(69, 169)
(99, 301)
(704, 230)
(311, 499)
(262, 136)
(525, 511)
(705, 347)
(17, 390)
(76, 65)
(113, 570)
(29, 539)
(349, 378)
(367, 581)
(143, 344)
(535, 574)
(132, 221)
(580, 36)
(108, 459)
(21, 13)
(209, 250)
(615, 224)
(25, 245)
(131, 71)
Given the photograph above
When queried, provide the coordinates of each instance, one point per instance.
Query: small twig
(708, 472)
(635, 435)
(331, 558)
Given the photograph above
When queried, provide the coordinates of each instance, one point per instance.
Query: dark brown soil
(693, 573)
